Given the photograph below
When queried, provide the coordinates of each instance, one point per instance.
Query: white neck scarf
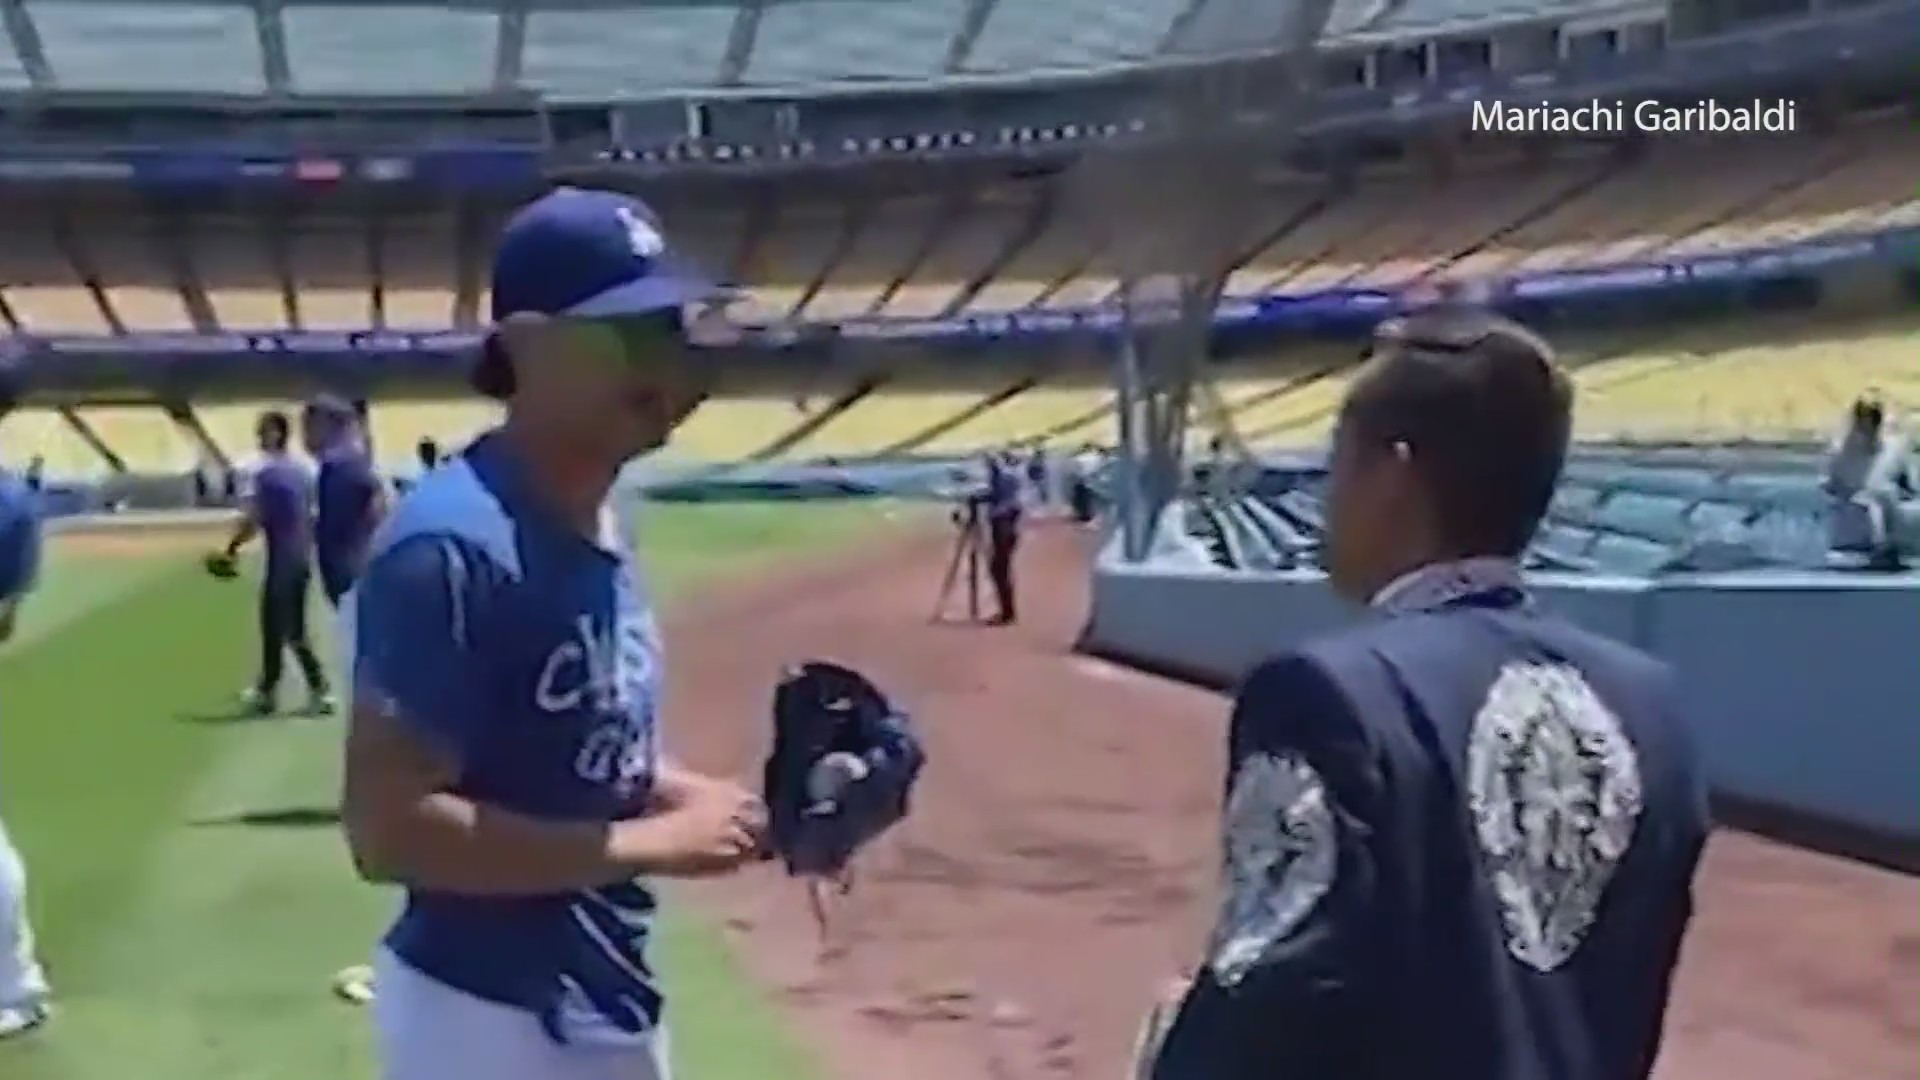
(1437, 585)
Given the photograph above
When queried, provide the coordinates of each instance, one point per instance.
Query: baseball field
(194, 897)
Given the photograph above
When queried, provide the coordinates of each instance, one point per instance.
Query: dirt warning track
(1059, 862)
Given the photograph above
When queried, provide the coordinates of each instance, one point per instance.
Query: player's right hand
(721, 829)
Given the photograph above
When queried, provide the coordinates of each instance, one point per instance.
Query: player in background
(23, 984)
(503, 757)
(349, 499)
(279, 508)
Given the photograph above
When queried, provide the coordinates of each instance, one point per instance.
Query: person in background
(349, 500)
(1872, 479)
(427, 452)
(279, 508)
(1003, 531)
(24, 993)
(36, 474)
(1040, 477)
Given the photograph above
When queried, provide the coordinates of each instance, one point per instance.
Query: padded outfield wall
(1805, 686)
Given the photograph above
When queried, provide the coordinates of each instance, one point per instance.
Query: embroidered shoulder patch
(1554, 789)
(1282, 852)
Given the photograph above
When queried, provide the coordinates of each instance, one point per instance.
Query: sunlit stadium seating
(124, 254)
(398, 426)
(233, 260)
(1790, 386)
(733, 428)
(417, 259)
(145, 438)
(43, 433)
(889, 417)
(42, 287)
(882, 251)
(1045, 413)
(783, 261)
(331, 264)
(966, 253)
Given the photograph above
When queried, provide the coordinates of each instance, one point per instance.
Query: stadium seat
(1037, 413)
(732, 428)
(882, 251)
(888, 417)
(333, 269)
(966, 251)
(43, 433)
(398, 426)
(830, 40)
(123, 255)
(144, 437)
(418, 271)
(1631, 555)
(1654, 517)
(42, 287)
(1030, 270)
(233, 260)
(1566, 545)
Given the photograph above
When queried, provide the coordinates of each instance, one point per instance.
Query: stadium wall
(1790, 739)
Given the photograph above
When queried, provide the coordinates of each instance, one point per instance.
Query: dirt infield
(1058, 865)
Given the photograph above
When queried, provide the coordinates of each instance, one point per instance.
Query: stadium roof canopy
(612, 50)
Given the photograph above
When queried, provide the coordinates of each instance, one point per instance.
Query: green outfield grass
(189, 885)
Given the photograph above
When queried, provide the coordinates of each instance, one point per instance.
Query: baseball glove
(221, 565)
(841, 771)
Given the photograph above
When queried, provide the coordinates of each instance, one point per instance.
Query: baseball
(833, 774)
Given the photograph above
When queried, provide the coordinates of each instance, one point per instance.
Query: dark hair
(273, 424)
(1869, 411)
(1484, 413)
(492, 374)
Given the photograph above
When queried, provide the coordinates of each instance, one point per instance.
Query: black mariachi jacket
(1460, 844)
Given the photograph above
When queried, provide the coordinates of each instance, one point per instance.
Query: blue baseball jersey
(345, 490)
(19, 538)
(530, 653)
(282, 501)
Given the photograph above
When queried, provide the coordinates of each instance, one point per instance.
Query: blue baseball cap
(576, 253)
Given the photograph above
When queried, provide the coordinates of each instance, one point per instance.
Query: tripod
(969, 557)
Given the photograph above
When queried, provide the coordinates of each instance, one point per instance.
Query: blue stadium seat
(1789, 538)
(1680, 482)
(1653, 517)
(1565, 544)
(1622, 554)
(1304, 509)
(1574, 501)
(1786, 491)
(1719, 521)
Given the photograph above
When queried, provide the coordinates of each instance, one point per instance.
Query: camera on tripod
(968, 513)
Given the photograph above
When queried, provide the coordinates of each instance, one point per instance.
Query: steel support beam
(740, 41)
(1186, 211)
(270, 26)
(510, 47)
(27, 44)
(972, 22)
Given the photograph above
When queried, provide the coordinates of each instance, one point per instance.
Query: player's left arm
(1290, 967)
(19, 558)
(248, 527)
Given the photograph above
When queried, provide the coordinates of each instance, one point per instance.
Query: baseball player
(503, 759)
(23, 985)
(1459, 838)
(279, 508)
(349, 499)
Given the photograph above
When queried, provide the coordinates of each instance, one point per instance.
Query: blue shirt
(19, 538)
(529, 652)
(345, 491)
(283, 506)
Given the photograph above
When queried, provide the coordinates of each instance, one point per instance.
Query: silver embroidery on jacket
(1554, 788)
(1281, 856)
